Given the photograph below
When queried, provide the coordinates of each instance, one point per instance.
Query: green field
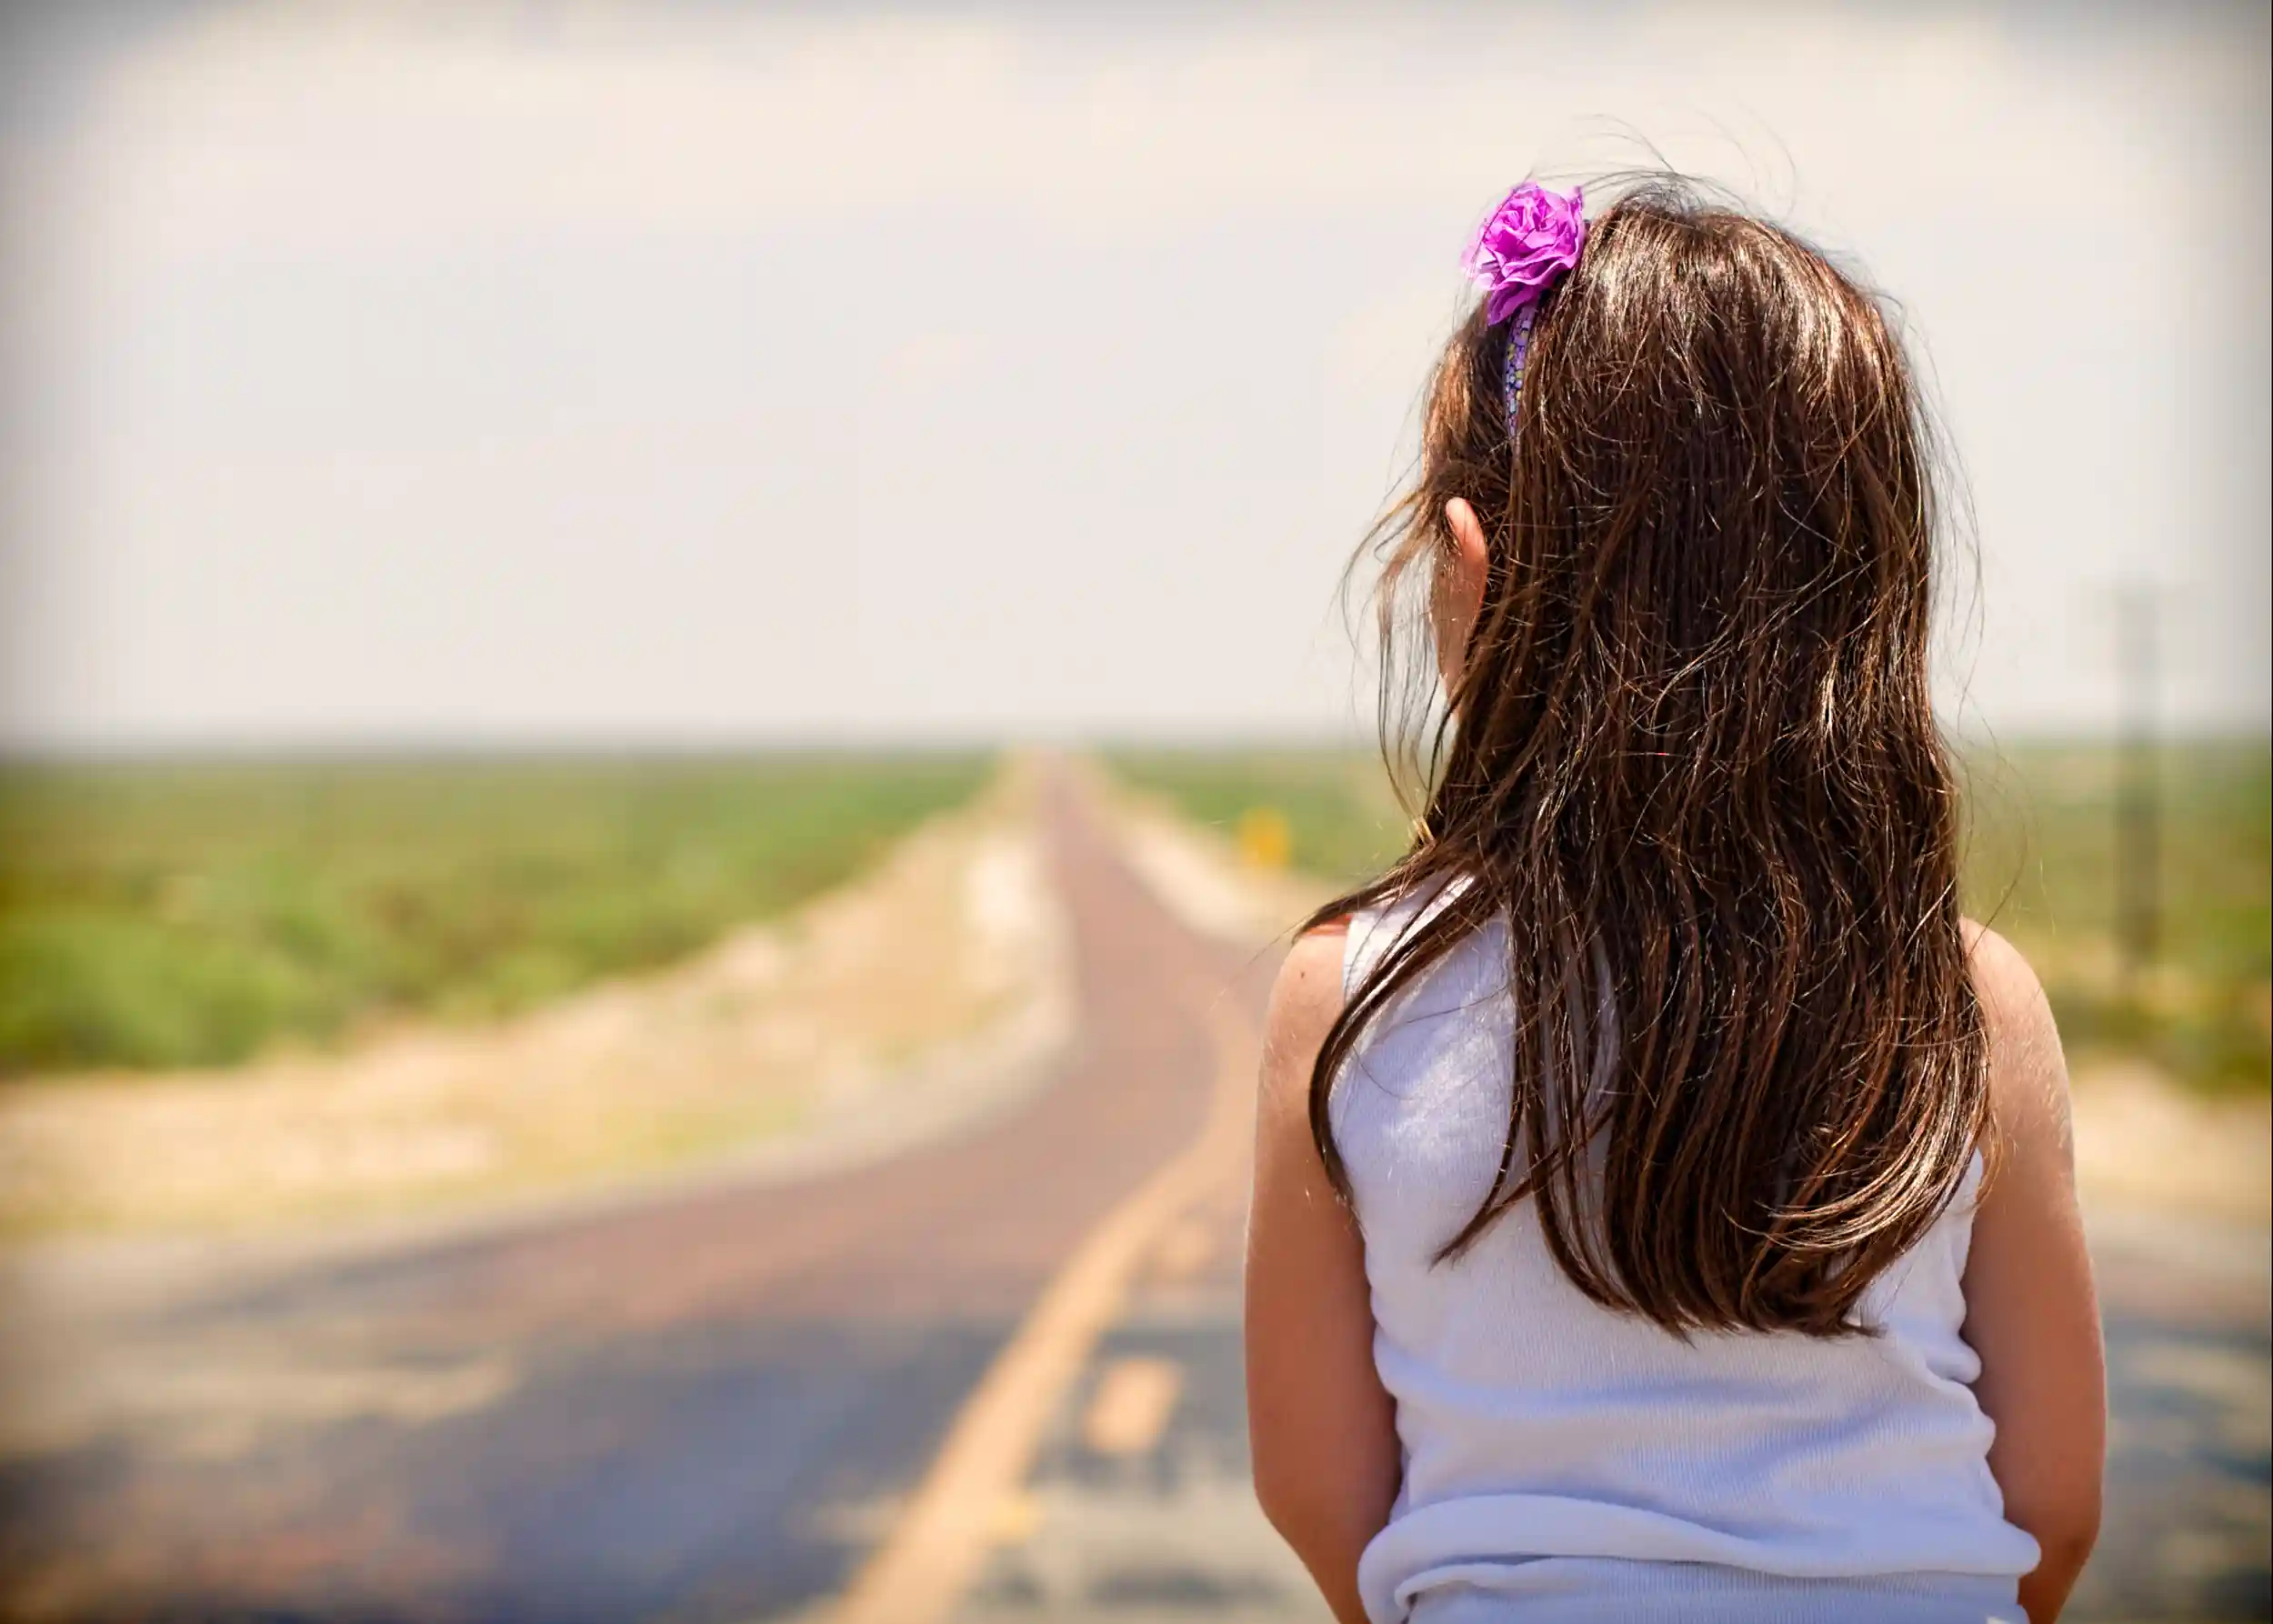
(2039, 865)
(171, 915)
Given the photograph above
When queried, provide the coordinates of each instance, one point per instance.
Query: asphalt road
(704, 1409)
(714, 1406)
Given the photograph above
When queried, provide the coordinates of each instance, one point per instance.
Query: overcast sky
(707, 375)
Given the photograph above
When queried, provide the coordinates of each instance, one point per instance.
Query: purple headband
(1528, 245)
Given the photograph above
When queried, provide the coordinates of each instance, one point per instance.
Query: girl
(1663, 1204)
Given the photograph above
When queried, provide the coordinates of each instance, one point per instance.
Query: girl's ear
(1470, 556)
(1459, 587)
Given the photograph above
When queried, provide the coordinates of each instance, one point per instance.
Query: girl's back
(1576, 1460)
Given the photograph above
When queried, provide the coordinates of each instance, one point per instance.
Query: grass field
(2039, 865)
(161, 916)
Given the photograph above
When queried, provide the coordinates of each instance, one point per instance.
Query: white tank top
(1564, 1462)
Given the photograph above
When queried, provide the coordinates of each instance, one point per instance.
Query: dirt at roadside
(2141, 1141)
(1202, 876)
(885, 1008)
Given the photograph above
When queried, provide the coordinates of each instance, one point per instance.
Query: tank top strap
(1361, 949)
(1374, 932)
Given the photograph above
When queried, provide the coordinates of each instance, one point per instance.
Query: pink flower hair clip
(1528, 245)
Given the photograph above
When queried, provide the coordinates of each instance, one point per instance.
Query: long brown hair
(1691, 757)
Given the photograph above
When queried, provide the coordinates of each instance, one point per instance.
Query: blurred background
(665, 669)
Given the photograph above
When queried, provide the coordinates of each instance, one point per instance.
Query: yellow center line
(920, 1572)
(1135, 1397)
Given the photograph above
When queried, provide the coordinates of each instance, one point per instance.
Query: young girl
(1663, 1204)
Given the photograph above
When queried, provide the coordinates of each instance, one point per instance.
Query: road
(727, 1405)
(702, 1408)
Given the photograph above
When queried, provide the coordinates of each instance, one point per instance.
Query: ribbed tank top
(1563, 1462)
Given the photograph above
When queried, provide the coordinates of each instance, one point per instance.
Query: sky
(703, 375)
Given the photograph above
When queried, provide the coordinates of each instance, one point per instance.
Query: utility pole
(2138, 789)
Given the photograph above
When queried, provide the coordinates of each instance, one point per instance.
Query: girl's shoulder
(2001, 974)
(2028, 1070)
(1327, 963)
(1306, 997)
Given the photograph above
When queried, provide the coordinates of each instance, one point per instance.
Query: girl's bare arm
(1322, 1428)
(2031, 1310)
